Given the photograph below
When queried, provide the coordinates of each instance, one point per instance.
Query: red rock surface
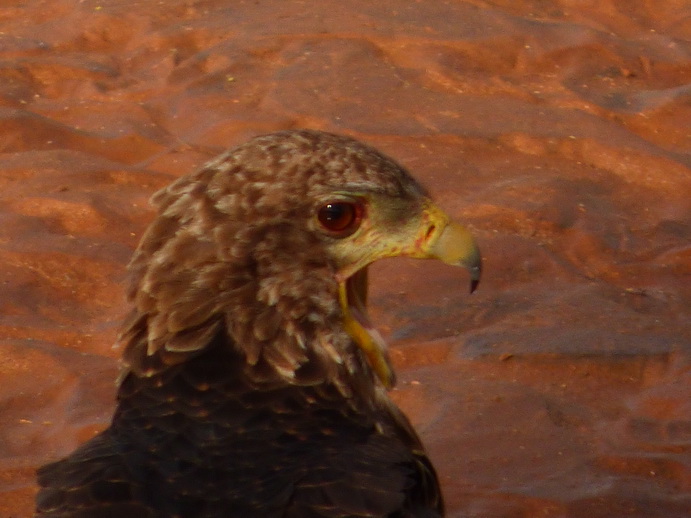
(559, 131)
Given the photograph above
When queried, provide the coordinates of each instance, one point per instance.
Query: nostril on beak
(430, 231)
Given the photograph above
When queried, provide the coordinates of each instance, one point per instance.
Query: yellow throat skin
(434, 236)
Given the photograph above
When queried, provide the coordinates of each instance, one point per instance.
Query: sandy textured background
(560, 131)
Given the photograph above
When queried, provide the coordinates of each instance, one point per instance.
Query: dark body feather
(195, 442)
(242, 396)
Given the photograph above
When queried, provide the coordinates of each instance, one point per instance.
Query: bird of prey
(254, 384)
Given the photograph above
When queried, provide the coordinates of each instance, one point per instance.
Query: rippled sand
(559, 131)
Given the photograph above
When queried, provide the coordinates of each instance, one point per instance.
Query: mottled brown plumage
(253, 384)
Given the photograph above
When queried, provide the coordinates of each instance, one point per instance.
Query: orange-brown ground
(560, 131)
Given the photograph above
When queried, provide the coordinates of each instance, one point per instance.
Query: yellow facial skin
(388, 230)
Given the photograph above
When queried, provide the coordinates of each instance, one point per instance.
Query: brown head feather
(233, 247)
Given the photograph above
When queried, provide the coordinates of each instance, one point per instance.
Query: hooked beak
(455, 245)
(431, 236)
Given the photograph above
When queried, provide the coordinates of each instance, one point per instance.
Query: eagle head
(269, 245)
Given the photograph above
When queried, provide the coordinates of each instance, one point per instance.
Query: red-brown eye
(340, 217)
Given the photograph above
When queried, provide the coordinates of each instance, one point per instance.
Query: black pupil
(337, 216)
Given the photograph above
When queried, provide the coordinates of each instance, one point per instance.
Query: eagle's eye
(340, 218)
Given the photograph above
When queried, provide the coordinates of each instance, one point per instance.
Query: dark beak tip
(475, 274)
(474, 283)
